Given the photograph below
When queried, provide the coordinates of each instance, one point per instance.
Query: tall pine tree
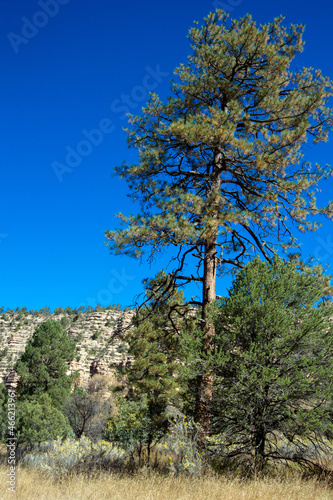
(220, 174)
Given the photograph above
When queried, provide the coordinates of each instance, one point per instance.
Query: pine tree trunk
(205, 383)
(205, 393)
(259, 444)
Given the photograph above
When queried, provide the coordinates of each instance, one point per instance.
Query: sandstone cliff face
(98, 336)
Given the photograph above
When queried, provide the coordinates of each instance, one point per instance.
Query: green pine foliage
(43, 366)
(220, 175)
(221, 163)
(152, 380)
(273, 365)
(39, 421)
(154, 341)
(139, 424)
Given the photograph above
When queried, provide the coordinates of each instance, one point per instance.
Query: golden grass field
(33, 486)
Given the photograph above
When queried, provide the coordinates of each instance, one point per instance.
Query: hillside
(97, 333)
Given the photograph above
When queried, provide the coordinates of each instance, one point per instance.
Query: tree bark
(259, 444)
(205, 383)
(205, 394)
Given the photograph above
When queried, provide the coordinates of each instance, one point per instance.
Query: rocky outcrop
(97, 333)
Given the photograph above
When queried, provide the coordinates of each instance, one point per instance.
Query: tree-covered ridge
(97, 335)
(46, 311)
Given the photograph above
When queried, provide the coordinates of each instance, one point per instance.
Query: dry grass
(32, 486)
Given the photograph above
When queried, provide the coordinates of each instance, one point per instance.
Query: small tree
(273, 365)
(137, 424)
(87, 412)
(154, 344)
(39, 421)
(154, 340)
(42, 367)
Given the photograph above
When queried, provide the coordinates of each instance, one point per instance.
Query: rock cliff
(97, 333)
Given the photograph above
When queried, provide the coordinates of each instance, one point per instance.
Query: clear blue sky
(66, 65)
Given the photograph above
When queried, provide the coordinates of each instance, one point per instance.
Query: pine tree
(43, 365)
(220, 175)
(273, 366)
(152, 380)
(39, 421)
